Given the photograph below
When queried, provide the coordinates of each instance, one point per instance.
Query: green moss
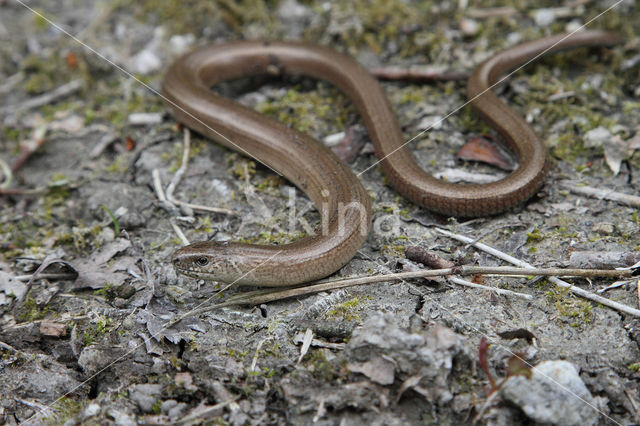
(95, 332)
(181, 17)
(109, 292)
(534, 236)
(30, 311)
(267, 237)
(570, 307)
(62, 409)
(347, 310)
(273, 181)
(394, 250)
(307, 111)
(322, 369)
(80, 238)
(205, 224)
(39, 21)
(39, 83)
(237, 355)
(57, 193)
(468, 120)
(635, 367)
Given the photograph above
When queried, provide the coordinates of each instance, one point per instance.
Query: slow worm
(334, 189)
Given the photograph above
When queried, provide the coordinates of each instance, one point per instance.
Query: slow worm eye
(202, 261)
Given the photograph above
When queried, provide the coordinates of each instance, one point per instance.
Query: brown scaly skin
(312, 167)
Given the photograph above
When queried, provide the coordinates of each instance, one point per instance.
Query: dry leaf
(485, 150)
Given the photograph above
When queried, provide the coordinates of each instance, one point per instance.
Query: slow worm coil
(334, 189)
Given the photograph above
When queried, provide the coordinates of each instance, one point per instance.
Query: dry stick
(501, 291)
(178, 176)
(576, 290)
(206, 413)
(179, 233)
(7, 175)
(265, 296)
(601, 194)
(45, 99)
(419, 74)
(10, 82)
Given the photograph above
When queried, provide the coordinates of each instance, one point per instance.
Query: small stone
(603, 228)
(555, 394)
(544, 17)
(573, 26)
(431, 122)
(168, 405)
(597, 137)
(145, 396)
(469, 27)
(177, 411)
(90, 410)
(146, 62)
(54, 329)
(125, 291)
(121, 418)
(377, 369)
(180, 43)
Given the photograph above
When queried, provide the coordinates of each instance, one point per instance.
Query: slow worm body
(334, 189)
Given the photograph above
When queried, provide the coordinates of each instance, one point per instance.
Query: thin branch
(179, 233)
(269, 295)
(7, 175)
(500, 291)
(601, 194)
(178, 176)
(563, 284)
(419, 74)
(44, 99)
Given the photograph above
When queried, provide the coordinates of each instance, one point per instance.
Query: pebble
(544, 17)
(145, 396)
(603, 228)
(180, 43)
(597, 137)
(555, 394)
(469, 27)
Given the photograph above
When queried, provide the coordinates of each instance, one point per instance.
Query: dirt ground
(98, 349)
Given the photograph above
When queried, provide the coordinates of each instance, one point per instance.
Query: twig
(601, 194)
(157, 185)
(183, 165)
(102, 144)
(254, 361)
(179, 233)
(178, 176)
(10, 82)
(33, 404)
(7, 175)
(269, 295)
(45, 99)
(28, 148)
(632, 401)
(492, 12)
(563, 284)
(55, 276)
(208, 412)
(8, 347)
(419, 74)
(501, 291)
